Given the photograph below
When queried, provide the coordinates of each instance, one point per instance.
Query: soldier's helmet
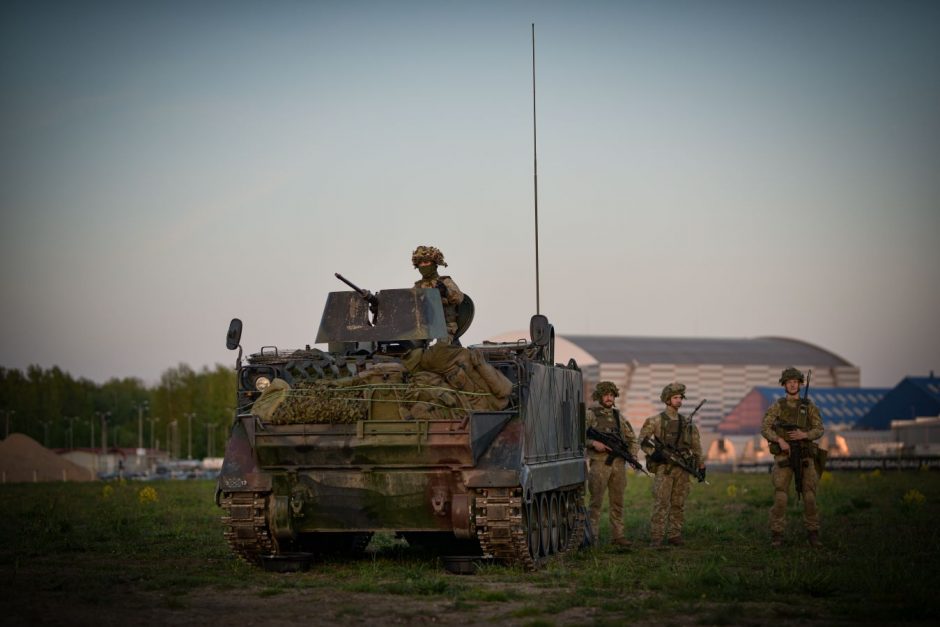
(605, 387)
(790, 373)
(671, 390)
(428, 253)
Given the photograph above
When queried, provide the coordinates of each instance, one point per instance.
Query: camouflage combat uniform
(805, 414)
(602, 477)
(670, 482)
(451, 296)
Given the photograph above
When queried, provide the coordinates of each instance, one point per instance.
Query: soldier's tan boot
(813, 537)
(656, 543)
(676, 541)
(776, 539)
(622, 542)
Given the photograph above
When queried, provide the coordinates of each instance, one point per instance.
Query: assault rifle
(695, 411)
(796, 446)
(673, 456)
(368, 296)
(618, 448)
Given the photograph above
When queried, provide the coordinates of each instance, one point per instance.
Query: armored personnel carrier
(475, 450)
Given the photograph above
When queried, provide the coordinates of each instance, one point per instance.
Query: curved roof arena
(687, 350)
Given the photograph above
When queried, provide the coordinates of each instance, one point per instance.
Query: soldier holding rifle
(604, 477)
(790, 426)
(673, 450)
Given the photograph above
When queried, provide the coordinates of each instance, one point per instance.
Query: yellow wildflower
(732, 491)
(107, 491)
(147, 495)
(914, 497)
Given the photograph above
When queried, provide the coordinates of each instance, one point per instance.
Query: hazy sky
(711, 169)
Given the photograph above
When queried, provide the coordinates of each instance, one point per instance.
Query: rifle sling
(663, 417)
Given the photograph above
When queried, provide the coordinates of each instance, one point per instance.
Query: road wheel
(553, 523)
(564, 529)
(532, 527)
(544, 529)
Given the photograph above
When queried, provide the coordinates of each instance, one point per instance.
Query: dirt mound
(23, 459)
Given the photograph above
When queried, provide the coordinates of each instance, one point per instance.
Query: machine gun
(796, 446)
(673, 456)
(368, 296)
(618, 448)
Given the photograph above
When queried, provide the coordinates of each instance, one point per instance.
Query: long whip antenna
(535, 176)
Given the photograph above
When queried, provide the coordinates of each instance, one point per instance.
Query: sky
(721, 169)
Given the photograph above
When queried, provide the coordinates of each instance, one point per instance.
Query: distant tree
(208, 394)
(41, 401)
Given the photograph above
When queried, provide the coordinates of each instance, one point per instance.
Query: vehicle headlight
(261, 383)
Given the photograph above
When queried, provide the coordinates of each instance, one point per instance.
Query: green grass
(102, 546)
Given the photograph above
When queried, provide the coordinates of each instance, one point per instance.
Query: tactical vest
(676, 432)
(797, 414)
(604, 422)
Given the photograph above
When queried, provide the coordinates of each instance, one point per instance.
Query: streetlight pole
(103, 416)
(152, 420)
(175, 434)
(189, 433)
(101, 461)
(141, 407)
(210, 439)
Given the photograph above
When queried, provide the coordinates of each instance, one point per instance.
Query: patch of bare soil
(294, 608)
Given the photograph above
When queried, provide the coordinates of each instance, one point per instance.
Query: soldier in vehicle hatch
(670, 482)
(793, 423)
(601, 477)
(426, 259)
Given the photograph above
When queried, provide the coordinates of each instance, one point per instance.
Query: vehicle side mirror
(234, 336)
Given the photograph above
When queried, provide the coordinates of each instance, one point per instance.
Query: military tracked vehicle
(473, 451)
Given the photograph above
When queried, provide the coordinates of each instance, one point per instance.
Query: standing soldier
(426, 259)
(793, 423)
(670, 482)
(601, 477)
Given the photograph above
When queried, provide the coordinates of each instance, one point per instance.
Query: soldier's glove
(658, 456)
(701, 475)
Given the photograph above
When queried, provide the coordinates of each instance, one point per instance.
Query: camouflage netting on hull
(316, 401)
(442, 382)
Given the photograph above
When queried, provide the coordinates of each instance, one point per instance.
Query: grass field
(152, 553)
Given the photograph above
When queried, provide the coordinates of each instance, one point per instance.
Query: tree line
(187, 413)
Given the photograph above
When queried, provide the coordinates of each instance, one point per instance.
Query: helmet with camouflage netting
(428, 253)
(605, 387)
(671, 390)
(790, 373)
